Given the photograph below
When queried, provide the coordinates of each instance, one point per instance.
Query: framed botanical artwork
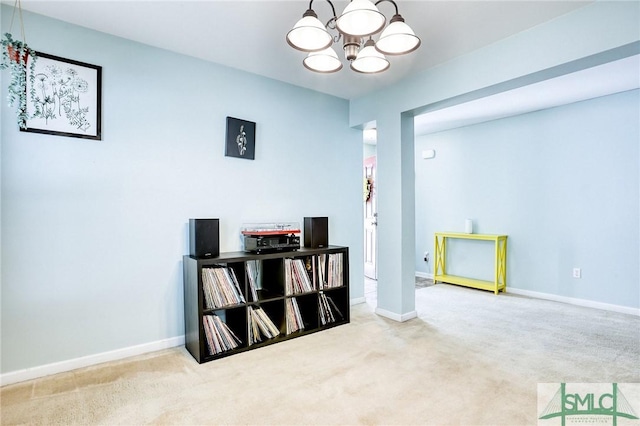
(67, 98)
(241, 139)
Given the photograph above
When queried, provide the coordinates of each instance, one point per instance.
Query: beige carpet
(471, 358)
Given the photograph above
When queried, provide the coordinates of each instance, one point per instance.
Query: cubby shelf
(271, 289)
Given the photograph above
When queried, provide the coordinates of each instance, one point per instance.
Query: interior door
(370, 219)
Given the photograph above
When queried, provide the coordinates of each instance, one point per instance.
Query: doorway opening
(370, 217)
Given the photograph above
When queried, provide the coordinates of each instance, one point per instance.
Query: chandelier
(359, 21)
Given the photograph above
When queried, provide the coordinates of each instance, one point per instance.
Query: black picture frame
(68, 98)
(241, 139)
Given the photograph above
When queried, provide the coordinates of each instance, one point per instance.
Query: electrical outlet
(577, 273)
(426, 256)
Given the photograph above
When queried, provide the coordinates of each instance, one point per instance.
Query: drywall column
(396, 217)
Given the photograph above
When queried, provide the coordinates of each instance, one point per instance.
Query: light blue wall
(395, 200)
(93, 232)
(565, 43)
(563, 183)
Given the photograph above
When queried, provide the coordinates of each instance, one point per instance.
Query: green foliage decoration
(16, 56)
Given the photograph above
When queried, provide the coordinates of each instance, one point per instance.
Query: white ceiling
(606, 79)
(250, 35)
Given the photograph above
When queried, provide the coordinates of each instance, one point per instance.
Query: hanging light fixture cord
(18, 5)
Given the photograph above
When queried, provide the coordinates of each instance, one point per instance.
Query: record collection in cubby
(241, 301)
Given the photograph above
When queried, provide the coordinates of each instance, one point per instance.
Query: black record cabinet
(240, 301)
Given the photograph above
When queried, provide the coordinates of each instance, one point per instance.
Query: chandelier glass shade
(324, 61)
(360, 19)
(309, 34)
(369, 60)
(398, 38)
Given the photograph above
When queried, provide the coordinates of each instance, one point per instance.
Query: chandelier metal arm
(390, 1)
(333, 9)
(331, 23)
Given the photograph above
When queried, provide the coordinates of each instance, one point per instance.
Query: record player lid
(274, 228)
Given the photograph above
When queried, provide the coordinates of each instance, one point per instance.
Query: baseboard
(396, 317)
(86, 361)
(424, 275)
(577, 302)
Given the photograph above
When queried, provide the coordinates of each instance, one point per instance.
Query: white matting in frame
(68, 96)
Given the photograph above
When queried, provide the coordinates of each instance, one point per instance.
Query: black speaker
(316, 232)
(204, 237)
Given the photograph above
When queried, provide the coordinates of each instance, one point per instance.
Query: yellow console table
(499, 282)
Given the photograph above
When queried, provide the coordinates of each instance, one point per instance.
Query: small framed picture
(241, 139)
(67, 101)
